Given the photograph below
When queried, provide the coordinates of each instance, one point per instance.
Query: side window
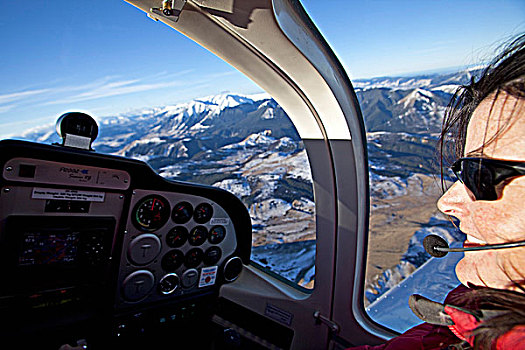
(403, 111)
(403, 127)
(245, 144)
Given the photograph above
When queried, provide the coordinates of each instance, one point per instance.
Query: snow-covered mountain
(447, 82)
(247, 145)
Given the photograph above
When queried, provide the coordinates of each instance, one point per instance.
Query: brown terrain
(393, 221)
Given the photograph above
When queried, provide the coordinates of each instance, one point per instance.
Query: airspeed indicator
(151, 213)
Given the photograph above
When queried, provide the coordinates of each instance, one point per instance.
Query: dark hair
(506, 73)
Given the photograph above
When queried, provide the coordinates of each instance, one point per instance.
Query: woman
(486, 123)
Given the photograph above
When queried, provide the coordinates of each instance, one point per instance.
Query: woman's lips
(468, 244)
(473, 242)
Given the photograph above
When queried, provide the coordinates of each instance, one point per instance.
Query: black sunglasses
(482, 175)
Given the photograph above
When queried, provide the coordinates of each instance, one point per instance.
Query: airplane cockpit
(104, 249)
(277, 220)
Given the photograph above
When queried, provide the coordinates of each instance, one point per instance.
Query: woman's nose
(454, 200)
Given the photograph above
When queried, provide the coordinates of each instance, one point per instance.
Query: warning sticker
(71, 195)
(278, 314)
(208, 276)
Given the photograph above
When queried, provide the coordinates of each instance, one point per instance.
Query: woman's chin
(476, 269)
(466, 272)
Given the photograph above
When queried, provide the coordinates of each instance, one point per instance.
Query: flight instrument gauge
(182, 212)
(151, 213)
(177, 236)
(172, 260)
(198, 235)
(217, 234)
(203, 213)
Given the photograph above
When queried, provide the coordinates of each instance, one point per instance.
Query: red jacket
(425, 336)
(428, 336)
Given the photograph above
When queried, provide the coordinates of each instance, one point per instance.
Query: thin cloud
(6, 98)
(223, 74)
(27, 122)
(12, 100)
(104, 87)
(113, 89)
(6, 108)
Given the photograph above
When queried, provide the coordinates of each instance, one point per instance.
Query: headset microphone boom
(438, 247)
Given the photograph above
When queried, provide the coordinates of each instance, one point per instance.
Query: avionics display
(49, 248)
(54, 243)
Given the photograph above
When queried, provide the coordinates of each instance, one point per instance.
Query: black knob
(232, 269)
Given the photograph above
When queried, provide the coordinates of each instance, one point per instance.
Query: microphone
(438, 247)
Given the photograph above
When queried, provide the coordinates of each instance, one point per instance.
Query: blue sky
(105, 57)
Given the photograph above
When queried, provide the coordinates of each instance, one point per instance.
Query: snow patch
(239, 187)
(253, 140)
(418, 95)
(450, 88)
(144, 141)
(299, 167)
(387, 187)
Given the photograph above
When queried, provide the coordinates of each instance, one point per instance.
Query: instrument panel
(173, 245)
(86, 237)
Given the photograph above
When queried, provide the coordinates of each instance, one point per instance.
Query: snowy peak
(252, 140)
(429, 82)
(417, 96)
(218, 103)
(225, 100)
(393, 83)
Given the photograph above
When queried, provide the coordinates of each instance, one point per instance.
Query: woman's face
(501, 220)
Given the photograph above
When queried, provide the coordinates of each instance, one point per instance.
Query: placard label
(220, 221)
(67, 195)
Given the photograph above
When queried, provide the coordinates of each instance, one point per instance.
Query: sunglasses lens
(478, 178)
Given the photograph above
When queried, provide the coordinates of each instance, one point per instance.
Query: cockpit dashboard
(101, 247)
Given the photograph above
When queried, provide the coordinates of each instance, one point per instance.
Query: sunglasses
(482, 175)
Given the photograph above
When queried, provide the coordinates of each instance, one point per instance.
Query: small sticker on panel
(220, 221)
(208, 276)
(278, 314)
(65, 194)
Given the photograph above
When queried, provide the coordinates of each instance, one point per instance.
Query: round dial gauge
(203, 213)
(182, 213)
(151, 213)
(212, 256)
(193, 257)
(169, 283)
(172, 260)
(198, 235)
(217, 234)
(177, 236)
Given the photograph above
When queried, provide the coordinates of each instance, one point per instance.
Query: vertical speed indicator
(151, 213)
